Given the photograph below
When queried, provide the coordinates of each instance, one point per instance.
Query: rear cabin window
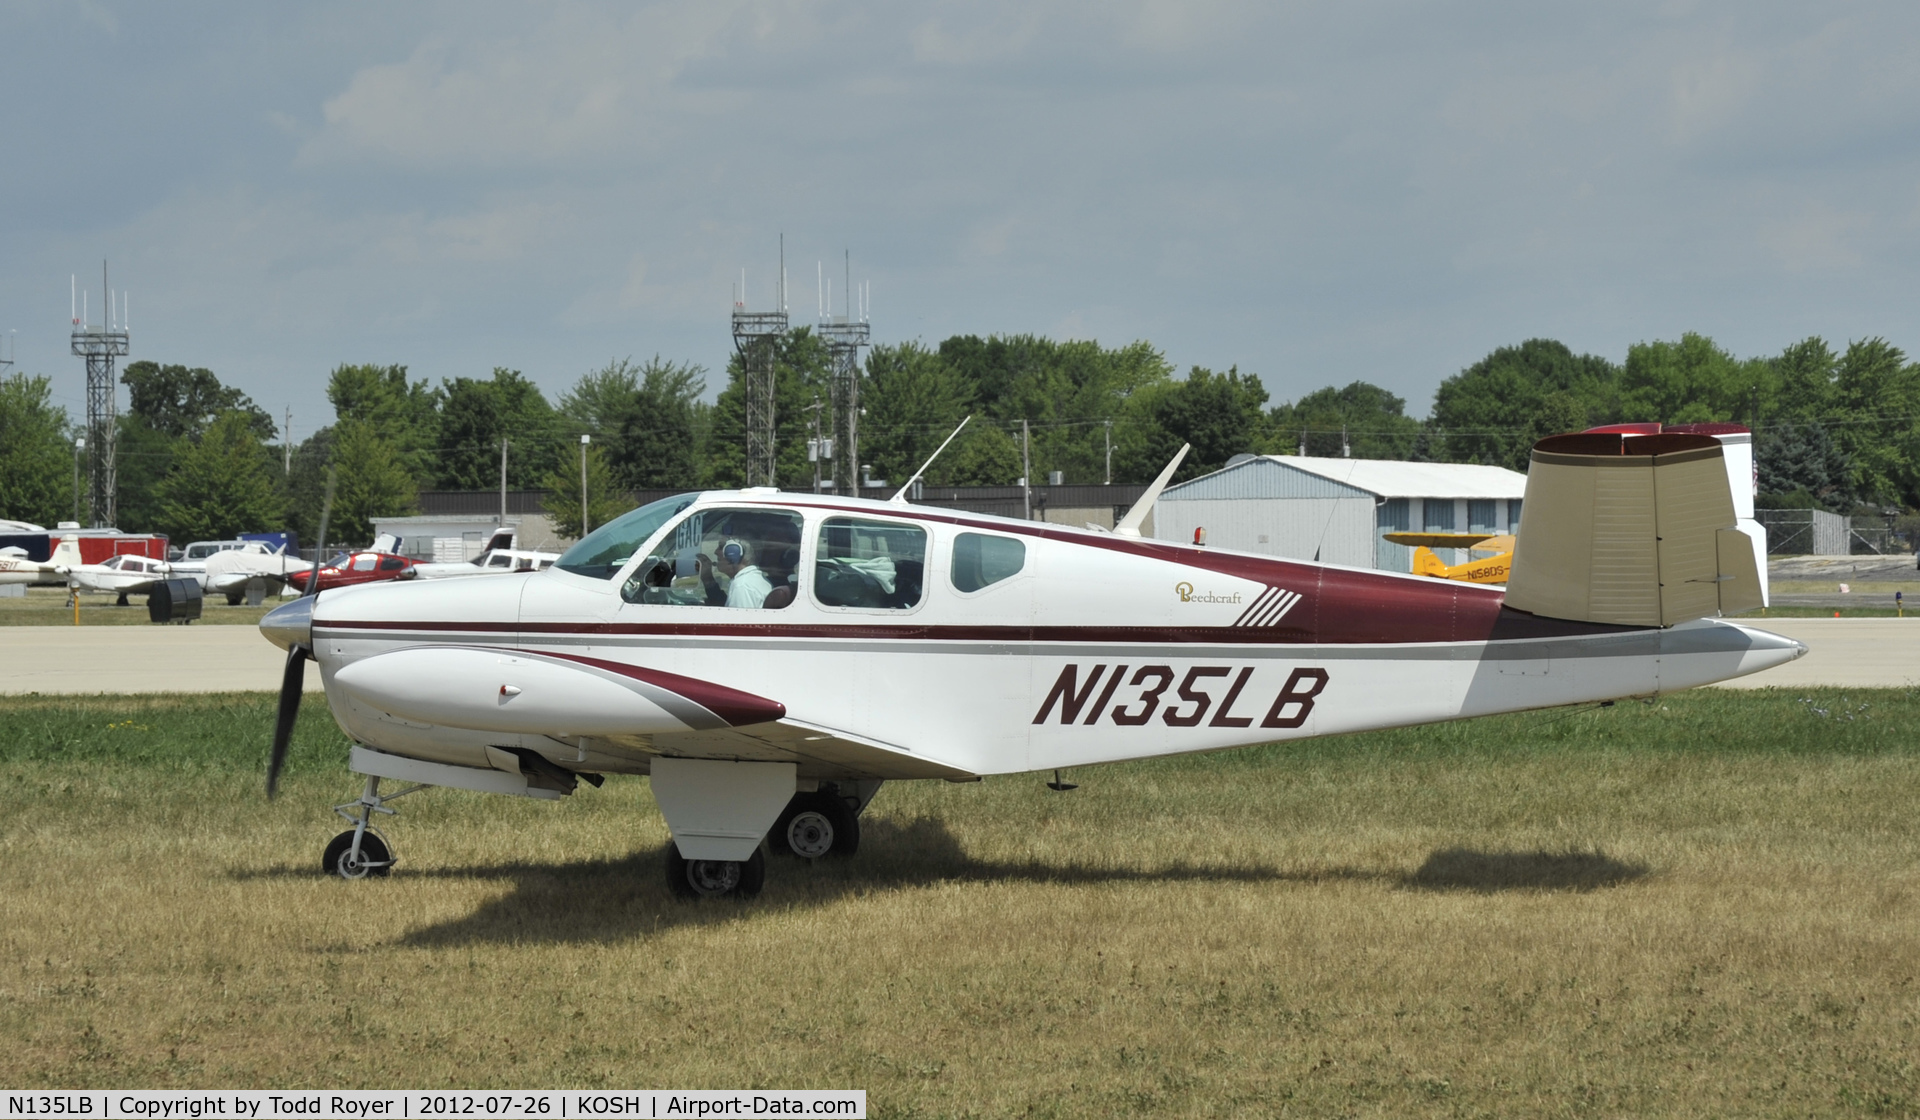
(391, 564)
(879, 565)
(981, 561)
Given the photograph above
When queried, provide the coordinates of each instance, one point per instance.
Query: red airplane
(366, 566)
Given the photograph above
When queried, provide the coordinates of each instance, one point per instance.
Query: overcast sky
(1316, 194)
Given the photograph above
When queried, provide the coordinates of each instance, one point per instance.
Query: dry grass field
(1704, 906)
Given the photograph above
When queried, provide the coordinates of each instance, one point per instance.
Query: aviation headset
(733, 552)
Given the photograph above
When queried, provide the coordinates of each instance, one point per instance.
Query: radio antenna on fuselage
(1129, 525)
(900, 498)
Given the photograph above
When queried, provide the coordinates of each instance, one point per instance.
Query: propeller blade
(320, 547)
(291, 684)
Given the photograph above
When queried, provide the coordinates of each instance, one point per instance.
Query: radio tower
(844, 336)
(756, 336)
(100, 346)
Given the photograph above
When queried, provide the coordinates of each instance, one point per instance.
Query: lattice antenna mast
(100, 346)
(844, 335)
(756, 337)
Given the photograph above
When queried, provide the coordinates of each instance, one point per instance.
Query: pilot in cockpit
(747, 586)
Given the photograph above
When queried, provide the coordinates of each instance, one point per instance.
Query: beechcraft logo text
(1189, 595)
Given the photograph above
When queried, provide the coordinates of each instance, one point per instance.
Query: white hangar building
(1335, 510)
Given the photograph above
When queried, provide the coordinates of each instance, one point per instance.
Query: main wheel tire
(374, 858)
(714, 878)
(815, 825)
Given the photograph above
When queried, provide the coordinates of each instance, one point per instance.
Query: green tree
(1496, 409)
(1874, 410)
(1690, 381)
(1372, 421)
(36, 453)
(1220, 414)
(606, 498)
(913, 400)
(183, 403)
(403, 413)
(476, 415)
(647, 418)
(370, 481)
(143, 457)
(222, 484)
(1800, 467)
(306, 484)
(1805, 373)
(169, 407)
(1068, 392)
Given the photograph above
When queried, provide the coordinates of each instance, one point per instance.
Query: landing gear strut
(361, 850)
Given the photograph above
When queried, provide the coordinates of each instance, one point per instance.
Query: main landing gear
(361, 850)
(816, 824)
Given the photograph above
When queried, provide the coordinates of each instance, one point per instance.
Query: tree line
(199, 460)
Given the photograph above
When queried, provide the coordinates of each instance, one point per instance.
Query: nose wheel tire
(815, 825)
(339, 858)
(715, 878)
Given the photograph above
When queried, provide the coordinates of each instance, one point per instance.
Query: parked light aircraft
(1487, 569)
(119, 575)
(229, 571)
(500, 557)
(770, 659)
(16, 567)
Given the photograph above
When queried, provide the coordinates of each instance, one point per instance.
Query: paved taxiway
(1846, 652)
(83, 659)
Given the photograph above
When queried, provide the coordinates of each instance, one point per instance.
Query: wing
(821, 752)
(1438, 540)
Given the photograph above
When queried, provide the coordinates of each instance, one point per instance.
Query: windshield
(607, 549)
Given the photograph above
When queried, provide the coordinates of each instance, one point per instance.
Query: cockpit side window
(722, 557)
(981, 561)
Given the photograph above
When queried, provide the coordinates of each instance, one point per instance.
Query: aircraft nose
(290, 624)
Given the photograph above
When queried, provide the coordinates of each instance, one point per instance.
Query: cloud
(586, 85)
(1316, 193)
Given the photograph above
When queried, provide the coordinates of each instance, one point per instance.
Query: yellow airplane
(1492, 569)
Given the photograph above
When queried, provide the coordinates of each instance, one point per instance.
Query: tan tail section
(66, 554)
(1631, 529)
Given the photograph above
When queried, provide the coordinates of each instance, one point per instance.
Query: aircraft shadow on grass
(617, 899)
(1464, 869)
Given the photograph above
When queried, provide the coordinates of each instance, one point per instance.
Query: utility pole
(1026, 471)
(1109, 453)
(79, 445)
(503, 480)
(286, 441)
(816, 449)
(585, 439)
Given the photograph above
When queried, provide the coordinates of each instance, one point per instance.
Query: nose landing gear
(361, 850)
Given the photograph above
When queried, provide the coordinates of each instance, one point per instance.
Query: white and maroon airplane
(771, 658)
